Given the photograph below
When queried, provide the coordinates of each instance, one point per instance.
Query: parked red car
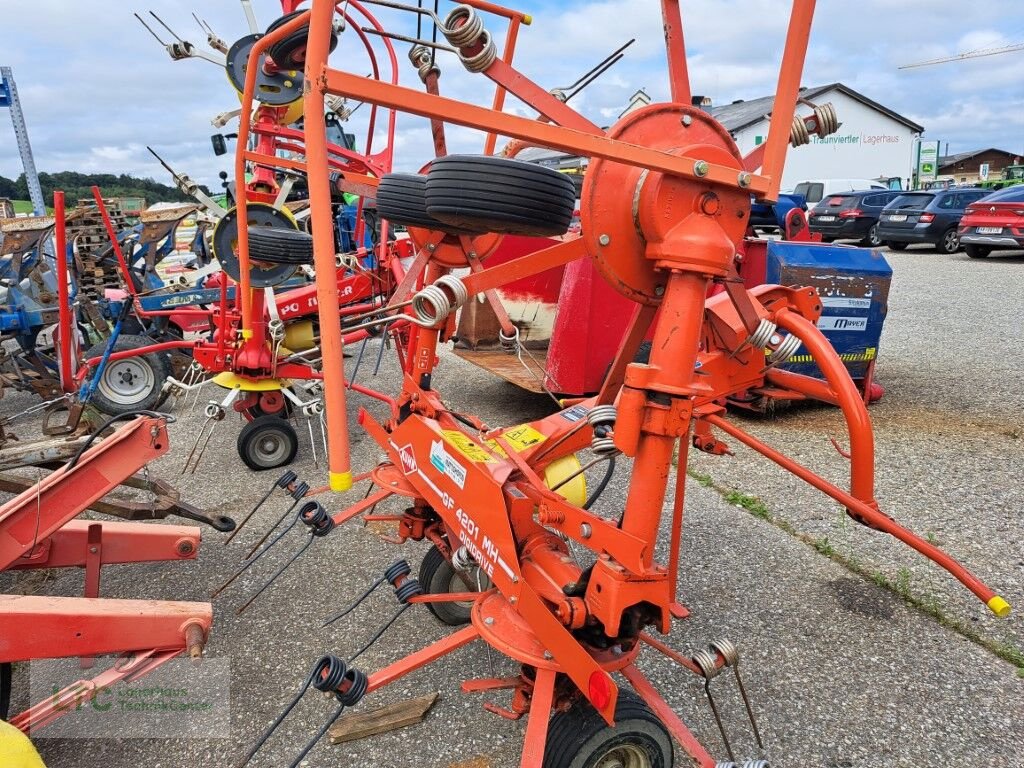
(995, 221)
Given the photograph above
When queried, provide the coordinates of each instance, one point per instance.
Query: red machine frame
(690, 190)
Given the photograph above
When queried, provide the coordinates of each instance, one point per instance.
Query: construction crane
(967, 55)
(9, 98)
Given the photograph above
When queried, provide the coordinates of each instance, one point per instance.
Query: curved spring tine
(380, 632)
(277, 721)
(319, 735)
(273, 528)
(273, 578)
(356, 604)
(254, 558)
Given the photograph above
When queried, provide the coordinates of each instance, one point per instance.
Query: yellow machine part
(16, 751)
(294, 110)
(298, 336)
(229, 380)
(574, 491)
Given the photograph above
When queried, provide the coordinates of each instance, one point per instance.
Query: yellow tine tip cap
(998, 606)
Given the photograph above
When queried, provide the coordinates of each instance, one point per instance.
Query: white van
(814, 190)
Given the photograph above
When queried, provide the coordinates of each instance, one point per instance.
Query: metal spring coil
(727, 649)
(462, 560)
(602, 419)
(509, 343)
(826, 123)
(828, 120)
(397, 570)
(410, 588)
(468, 33)
(706, 659)
(432, 305)
(798, 134)
(763, 333)
(358, 685)
(315, 516)
(329, 673)
(422, 58)
(785, 350)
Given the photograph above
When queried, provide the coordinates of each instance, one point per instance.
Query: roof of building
(959, 157)
(743, 113)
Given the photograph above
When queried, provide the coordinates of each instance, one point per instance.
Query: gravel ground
(842, 673)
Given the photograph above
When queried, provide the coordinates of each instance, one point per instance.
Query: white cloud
(97, 88)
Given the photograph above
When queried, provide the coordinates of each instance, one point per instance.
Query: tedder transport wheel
(290, 52)
(497, 194)
(439, 577)
(280, 246)
(267, 442)
(580, 738)
(401, 198)
(133, 382)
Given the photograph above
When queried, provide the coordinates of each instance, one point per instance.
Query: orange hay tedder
(664, 206)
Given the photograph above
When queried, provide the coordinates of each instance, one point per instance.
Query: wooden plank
(359, 725)
(507, 365)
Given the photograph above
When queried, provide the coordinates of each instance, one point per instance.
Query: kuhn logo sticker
(408, 459)
(446, 464)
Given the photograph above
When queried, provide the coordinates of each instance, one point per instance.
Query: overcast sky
(96, 88)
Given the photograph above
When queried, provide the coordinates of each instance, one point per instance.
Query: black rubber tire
(871, 239)
(290, 52)
(276, 245)
(580, 738)
(497, 194)
(438, 577)
(977, 251)
(253, 446)
(5, 690)
(134, 382)
(945, 245)
(401, 198)
(893, 246)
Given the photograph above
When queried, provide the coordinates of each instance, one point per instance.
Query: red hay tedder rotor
(664, 207)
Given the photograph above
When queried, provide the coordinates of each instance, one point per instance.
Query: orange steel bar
(498, 104)
(60, 261)
(115, 246)
(678, 510)
(36, 627)
(132, 666)
(122, 542)
(805, 385)
(544, 134)
(331, 343)
(500, 10)
(540, 712)
(858, 421)
(671, 720)
(255, 57)
(523, 88)
(674, 352)
(875, 518)
(675, 48)
(675, 655)
(422, 657)
(34, 514)
(786, 94)
(525, 266)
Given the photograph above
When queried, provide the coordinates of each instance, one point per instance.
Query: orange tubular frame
(690, 197)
